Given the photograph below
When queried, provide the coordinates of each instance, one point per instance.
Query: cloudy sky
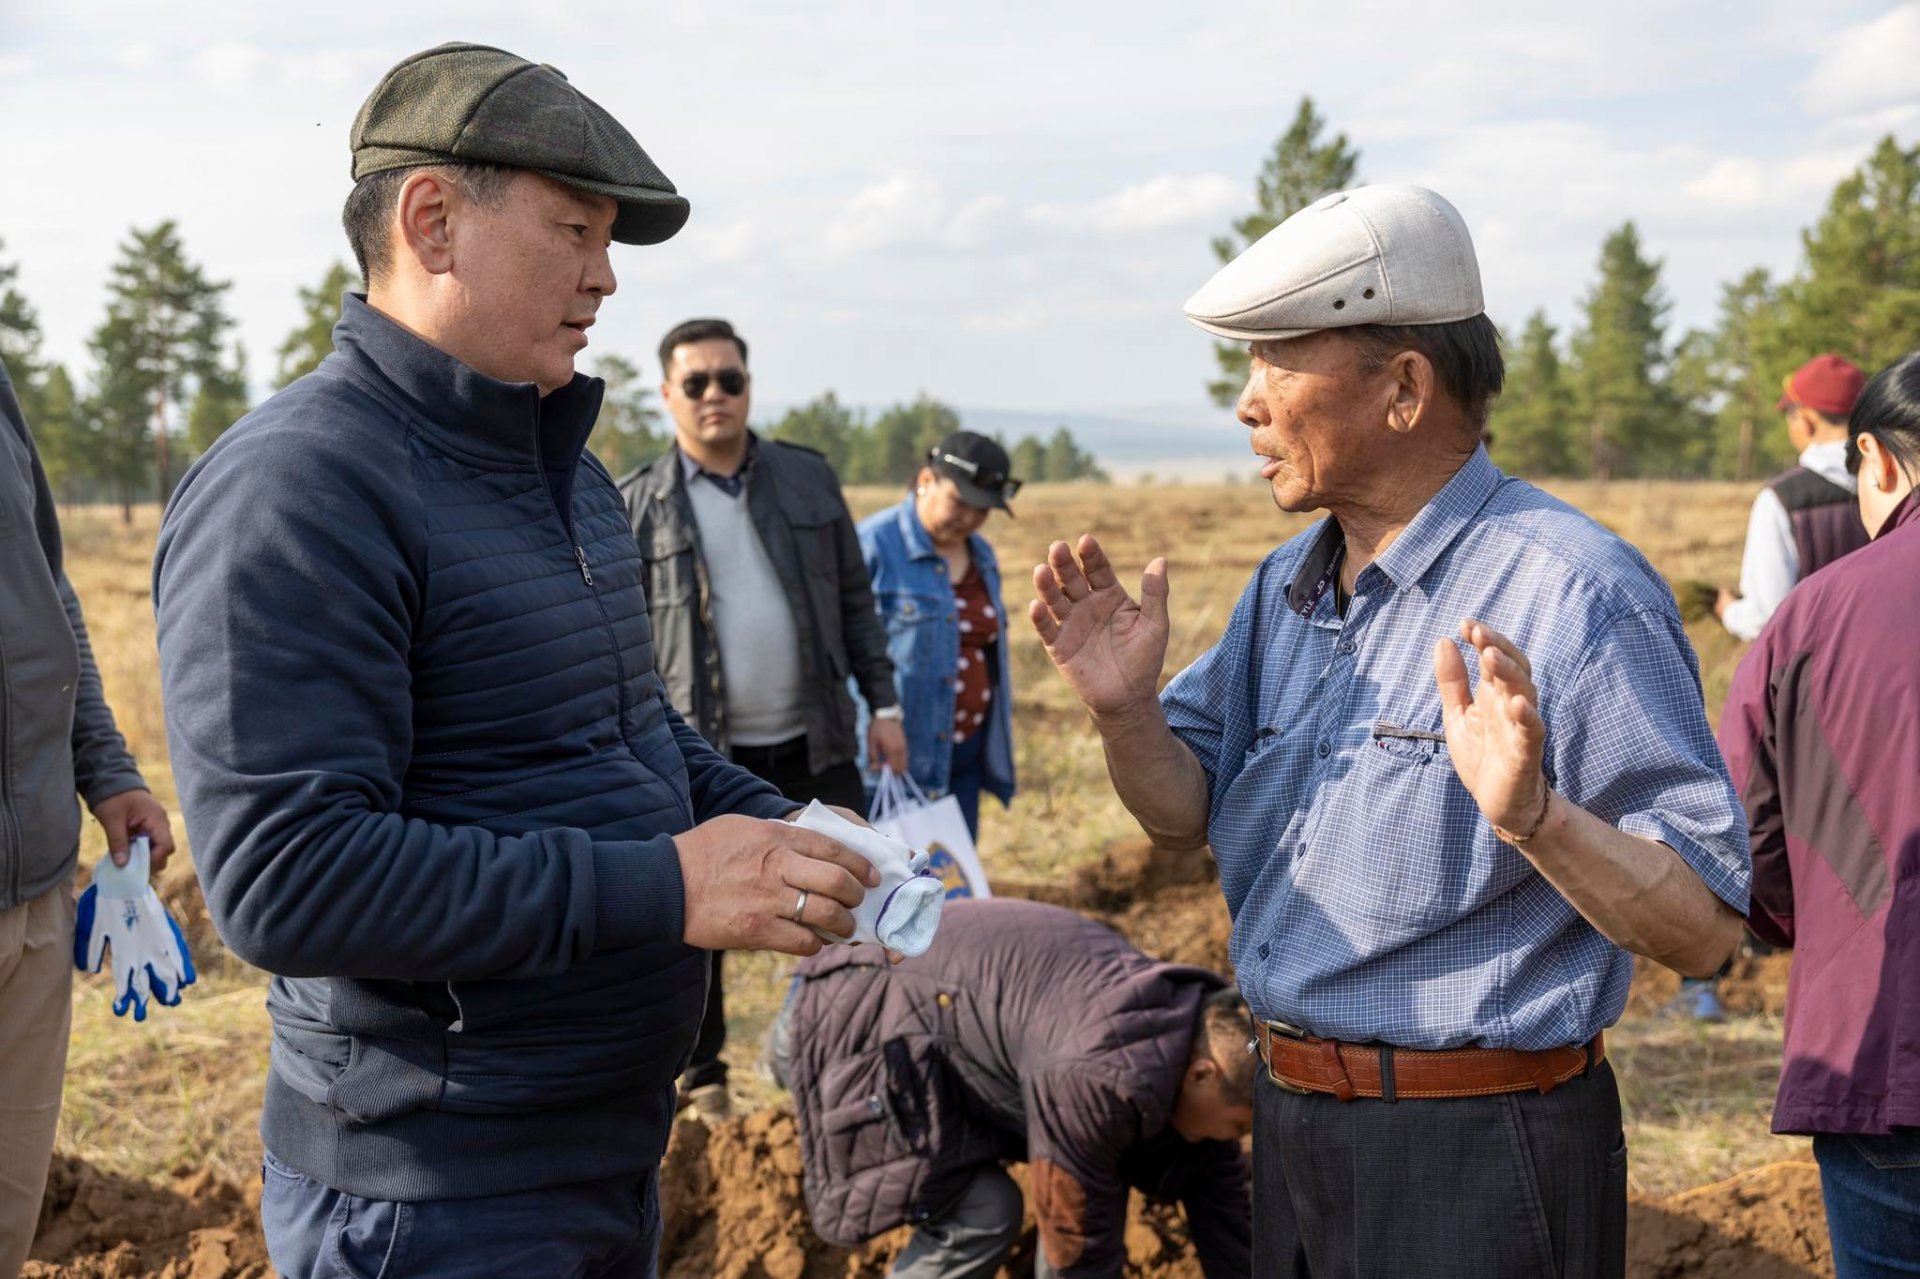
(1001, 203)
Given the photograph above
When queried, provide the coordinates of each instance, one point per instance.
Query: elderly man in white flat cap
(1452, 757)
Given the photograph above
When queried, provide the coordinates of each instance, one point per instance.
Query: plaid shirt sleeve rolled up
(1371, 900)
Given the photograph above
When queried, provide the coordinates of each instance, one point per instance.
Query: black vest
(1826, 518)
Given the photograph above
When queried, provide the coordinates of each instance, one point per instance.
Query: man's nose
(600, 280)
(1243, 408)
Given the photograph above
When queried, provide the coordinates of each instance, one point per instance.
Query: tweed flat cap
(474, 104)
(1372, 255)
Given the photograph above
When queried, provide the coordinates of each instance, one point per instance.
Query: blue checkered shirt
(1370, 898)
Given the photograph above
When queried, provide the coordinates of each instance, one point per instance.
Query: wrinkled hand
(887, 745)
(1109, 648)
(135, 812)
(1495, 735)
(742, 877)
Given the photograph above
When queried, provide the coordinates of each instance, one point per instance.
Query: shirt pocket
(1413, 746)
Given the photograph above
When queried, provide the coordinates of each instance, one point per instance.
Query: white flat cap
(1374, 255)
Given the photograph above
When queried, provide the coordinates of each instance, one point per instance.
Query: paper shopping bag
(935, 826)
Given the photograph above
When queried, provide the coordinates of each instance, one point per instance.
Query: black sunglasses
(997, 480)
(732, 382)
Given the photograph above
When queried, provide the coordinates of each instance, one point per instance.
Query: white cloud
(229, 66)
(134, 57)
(14, 64)
(1868, 65)
(907, 208)
(1154, 205)
(726, 242)
(1741, 182)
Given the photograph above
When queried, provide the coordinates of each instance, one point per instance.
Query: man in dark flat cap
(432, 779)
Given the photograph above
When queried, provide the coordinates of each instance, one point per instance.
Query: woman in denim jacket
(937, 587)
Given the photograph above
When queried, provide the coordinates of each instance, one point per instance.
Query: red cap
(1826, 384)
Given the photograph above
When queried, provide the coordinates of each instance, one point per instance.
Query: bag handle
(888, 796)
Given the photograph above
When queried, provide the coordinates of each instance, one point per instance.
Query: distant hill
(1171, 442)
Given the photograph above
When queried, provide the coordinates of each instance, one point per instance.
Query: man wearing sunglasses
(761, 608)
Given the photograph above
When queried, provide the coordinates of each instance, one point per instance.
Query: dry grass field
(184, 1088)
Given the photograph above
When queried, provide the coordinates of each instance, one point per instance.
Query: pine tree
(1533, 426)
(826, 425)
(1301, 169)
(623, 435)
(60, 434)
(1619, 378)
(1733, 375)
(162, 338)
(20, 343)
(218, 402)
(902, 436)
(1860, 293)
(1029, 460)
(312, 341)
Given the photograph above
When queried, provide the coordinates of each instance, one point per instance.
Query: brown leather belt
(1301, 1063)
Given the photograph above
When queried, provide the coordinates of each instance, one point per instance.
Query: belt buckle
(1285, 1030)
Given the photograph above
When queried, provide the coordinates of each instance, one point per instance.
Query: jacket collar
(920, 544)
(473, 414)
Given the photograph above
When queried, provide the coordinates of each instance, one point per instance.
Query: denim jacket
(915, 598)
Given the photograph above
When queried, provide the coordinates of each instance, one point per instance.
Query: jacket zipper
(586, 574)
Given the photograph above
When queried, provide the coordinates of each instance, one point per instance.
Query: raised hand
(1109, 648)
(1495, 735)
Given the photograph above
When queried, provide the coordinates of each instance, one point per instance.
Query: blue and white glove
(150, 957)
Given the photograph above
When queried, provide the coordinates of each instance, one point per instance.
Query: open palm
(1495, 735)
(1109, 647)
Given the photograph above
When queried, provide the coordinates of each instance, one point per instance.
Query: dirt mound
(1755, 984)
(1167, 904)
(733, 1208)
(99, 1225)
(1766, 1223)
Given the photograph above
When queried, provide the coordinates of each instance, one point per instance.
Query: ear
(1878, 469)
(426, 233)
(1201, 1069)
(1411, 390)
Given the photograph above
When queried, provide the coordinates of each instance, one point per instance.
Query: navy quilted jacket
(430, 777)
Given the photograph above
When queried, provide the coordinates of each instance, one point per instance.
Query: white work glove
(150, 957)
(903, 912)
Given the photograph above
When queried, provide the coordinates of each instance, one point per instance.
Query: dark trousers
(597, 1230)
(1478, 1187)
(785, 766)
(963, 778)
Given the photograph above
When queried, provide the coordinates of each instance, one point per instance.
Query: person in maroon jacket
(1026, 1032)
(1822, 733)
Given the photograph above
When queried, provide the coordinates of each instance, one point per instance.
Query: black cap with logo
(978, 467)
(474, 104)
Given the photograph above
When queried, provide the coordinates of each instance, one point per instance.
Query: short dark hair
(1465, 355)
(1889, 410)
(1226, 1029)
(369, 208)
(698, 331)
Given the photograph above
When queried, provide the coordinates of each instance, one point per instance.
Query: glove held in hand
(120, 910)
(904, 911)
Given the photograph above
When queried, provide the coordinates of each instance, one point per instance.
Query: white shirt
(1771, 564)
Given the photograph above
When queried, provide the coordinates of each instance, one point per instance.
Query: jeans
(785, 766)
(1515, 1185)
(963, 780)
(1872, 1190)
(597, 1230)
